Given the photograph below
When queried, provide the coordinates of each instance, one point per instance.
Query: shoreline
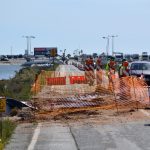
(7, 64)
(13, 62)
(8, 70)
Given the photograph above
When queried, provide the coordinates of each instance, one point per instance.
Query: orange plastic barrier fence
(131, 89)
(77, 79)
(35, 88)
(56, 81)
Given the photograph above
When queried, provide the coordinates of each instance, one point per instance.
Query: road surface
(61, 136)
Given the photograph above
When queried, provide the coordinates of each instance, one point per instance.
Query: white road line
(145, 112)
(35, 137)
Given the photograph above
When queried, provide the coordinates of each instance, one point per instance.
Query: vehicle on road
(118, 56)
(128, 57)
(135, 57)
(144, 56)
(141, 68)
(3, 58)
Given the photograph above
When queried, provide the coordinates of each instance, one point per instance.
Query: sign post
(53, 52)
(2, 109)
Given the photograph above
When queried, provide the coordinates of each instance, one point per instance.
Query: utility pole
(28, 38)
(113, 36)
(107, 44)
(33, 37)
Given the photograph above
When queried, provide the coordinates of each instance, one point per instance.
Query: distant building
(43, 51)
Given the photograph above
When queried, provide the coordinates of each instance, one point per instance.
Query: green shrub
(7, 130)
(19, 87)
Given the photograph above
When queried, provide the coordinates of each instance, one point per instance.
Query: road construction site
(66, 90)
(71, 114)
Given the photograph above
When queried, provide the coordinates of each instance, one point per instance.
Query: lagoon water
(8, 71)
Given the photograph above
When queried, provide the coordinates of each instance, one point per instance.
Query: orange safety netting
(40, 81)
(131, 90)
(76, 93)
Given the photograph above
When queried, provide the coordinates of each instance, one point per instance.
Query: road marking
(145, 112)
(35, 137)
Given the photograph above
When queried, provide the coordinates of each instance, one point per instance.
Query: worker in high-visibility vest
(124, 69)
(110, 71)
(111, 66)
(124, 85)
(99, 71)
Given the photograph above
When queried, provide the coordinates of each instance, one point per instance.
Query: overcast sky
(75, 24)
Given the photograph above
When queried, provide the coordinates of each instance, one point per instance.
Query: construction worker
(124, 85)
(124, 69)
(110, 71)
(99, 70)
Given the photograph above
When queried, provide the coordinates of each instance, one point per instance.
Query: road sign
(2, 104)
(53, 52)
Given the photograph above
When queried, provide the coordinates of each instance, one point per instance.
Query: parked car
(3, 58)
(135, 57)
(139, 68)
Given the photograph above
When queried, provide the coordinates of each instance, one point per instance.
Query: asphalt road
(61, 136)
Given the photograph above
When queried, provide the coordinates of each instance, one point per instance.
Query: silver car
(139, 68)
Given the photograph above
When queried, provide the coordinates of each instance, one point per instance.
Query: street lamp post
(107, 45)
(28, 38)
(113, 36)
(33, 37)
